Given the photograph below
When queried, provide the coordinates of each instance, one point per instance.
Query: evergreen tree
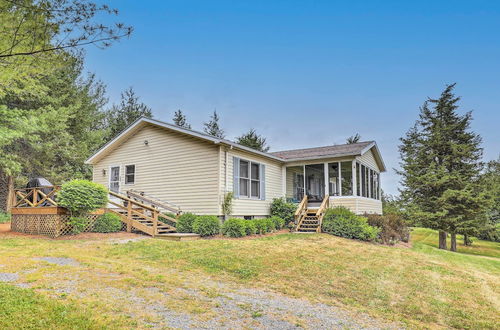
(440, 166)
(212, 126)
(353, 139)
(253, 140)
(180, 119)
(120, 116)
(490, 183)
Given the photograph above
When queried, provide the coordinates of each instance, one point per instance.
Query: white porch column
(327, 186)
(340, 178)
(283, 181)
(354, 181)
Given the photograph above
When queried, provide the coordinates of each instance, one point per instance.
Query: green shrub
(4, 217)
(392, 227)
(234, 227)
(77, 224)
(261, 225)
(283, 209)
(185, 223)
(264, 225)
(250, 228)
(82, 196)
(341, 222)
(206, 225)
(279, 223)
(108, 223)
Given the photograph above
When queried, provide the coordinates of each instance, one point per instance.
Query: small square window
(129, 174)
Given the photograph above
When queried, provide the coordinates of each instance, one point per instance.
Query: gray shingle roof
(333, 151)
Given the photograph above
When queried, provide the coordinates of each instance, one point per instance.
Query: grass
(430, 237)
(4, 217)
(24, 309)
(423, 287)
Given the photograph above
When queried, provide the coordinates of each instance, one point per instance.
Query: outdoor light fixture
(146, 142)
(103, 171)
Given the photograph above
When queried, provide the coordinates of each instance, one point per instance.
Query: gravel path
(59, 261)
(220, 305)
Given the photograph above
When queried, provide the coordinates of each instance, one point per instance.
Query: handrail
(301, 206)
(321, 211)
(155, 213)
(154, 201)
(35, 196)
(301, 212)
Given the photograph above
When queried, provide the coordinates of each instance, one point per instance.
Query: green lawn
(430, 237)
(24, 309)
(419, 286)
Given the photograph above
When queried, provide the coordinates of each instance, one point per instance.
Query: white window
(248, 179)
(129, 174)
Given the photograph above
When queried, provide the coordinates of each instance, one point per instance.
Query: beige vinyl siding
(173, 167)
(358, 205)
(369, 205)
(273, 184)
(368, 159)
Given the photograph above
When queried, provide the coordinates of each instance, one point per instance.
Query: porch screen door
(114, 179)
(315, 182)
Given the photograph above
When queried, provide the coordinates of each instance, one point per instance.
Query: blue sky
(309, 73)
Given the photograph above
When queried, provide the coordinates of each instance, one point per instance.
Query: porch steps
(161, 230)
(310, 222)
(309, 216)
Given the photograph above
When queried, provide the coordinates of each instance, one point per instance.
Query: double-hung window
(248, 179)
(129, 174)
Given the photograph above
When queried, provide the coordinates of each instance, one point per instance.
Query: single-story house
(194, 171)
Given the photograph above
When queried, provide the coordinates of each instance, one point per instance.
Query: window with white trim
(249, 177)
(129, 174)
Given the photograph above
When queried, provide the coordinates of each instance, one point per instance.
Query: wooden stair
(309, 219)
(310, 222)
(140, 217)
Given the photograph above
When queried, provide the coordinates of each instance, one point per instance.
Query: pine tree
(353, 139)
(180, 119)
(119, 117)
(440, 166)
(212, 126)
(253, 140)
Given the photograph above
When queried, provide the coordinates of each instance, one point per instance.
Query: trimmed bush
(206, 225)
(283, 209)
(4, 217)
(392, 227)
(108, 223)
(82, 196)
(250, 228)
(77, 224)
(261, 225)
(234, 227)
(264, 225)
(185, 223)
(341, 222)
(279, 223)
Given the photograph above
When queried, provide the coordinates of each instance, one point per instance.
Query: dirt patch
(5, 232)
(4, 227)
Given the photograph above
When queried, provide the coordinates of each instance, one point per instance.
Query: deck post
(155, 223)
(129, 217)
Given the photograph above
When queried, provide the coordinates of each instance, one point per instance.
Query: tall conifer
(440, 166)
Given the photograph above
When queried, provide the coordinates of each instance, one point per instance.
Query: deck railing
(321, 211)
(301, 211)
(44, 196)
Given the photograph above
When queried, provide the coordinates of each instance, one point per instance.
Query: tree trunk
(442, 239)
(453, 245)
(467, 240)
(6, 192)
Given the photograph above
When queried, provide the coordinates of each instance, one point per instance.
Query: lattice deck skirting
(54, 224)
